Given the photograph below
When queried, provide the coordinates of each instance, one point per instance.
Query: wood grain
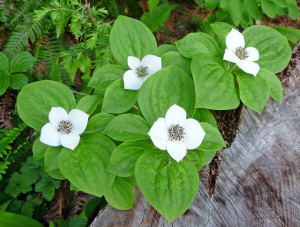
(259, 179)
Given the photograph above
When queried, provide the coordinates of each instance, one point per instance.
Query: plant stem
(232, 67)
(76, 92)
(95, 130)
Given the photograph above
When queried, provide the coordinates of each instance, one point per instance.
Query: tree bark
(259, 179)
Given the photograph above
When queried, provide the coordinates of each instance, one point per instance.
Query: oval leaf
(130, 37)
(128, 127)
(213, 140)
(274, 83)
(165, 88)
(215, 88)
(117, 99)
(18, 80)
(254, 90)
(120, 195)
(21, 62)
(39, 149)
(105, 75)
(274, 49)
(197, 43)
(85, 165)
(36, 100)
(170, 187)
(124, 157)
(51, 162)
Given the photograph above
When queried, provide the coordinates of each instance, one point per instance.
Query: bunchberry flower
(176, 134)
(237, 53)
(140, 71)
(64, 129)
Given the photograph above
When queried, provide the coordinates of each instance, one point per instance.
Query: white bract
(237, 53)
(176, 134)
(140, 71)
(64, 129)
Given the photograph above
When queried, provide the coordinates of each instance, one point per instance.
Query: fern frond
(292, 34)
(22, 9)
(23, 32)
(152, 4)
(158, 16)
(8, 137)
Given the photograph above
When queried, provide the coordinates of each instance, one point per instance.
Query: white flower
(140, 71)
(176, 134)
(64, 128)
(237, 53)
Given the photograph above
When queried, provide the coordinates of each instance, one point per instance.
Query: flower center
(176, 132)
(241, 53)
(64, 127)
(142, 71)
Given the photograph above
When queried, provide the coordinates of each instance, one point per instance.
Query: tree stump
(259, 175)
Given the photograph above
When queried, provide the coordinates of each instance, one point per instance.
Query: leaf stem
(232, 67)
(76, 92)
(95, 130)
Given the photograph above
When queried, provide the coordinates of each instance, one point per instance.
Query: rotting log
(259, 175)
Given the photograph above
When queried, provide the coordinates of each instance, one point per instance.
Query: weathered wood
(259, 180)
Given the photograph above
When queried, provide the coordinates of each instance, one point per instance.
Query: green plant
(8, 136)
(157, 15)
(12, 72)
(32, 173)
(244, 12)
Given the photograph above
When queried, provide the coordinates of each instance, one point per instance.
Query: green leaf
(253, 9)
(165, 48)
(117, 99)
(4, 63)
(215, 88)
(274, 49)
(127, 127)
(235, 10)
(213, 140)
(88, 104)
(130, 37)
(31, 170)
(254, 90)
(47, 186)
(105, 75)
(38, 149)
(161, 91)
(204, 115)
(293, 9)
(197, 43)
(291, 33)
(120, 195)
(85, 165)
(35, 101)
(170, 187)
(16, 220)
(211, 4)
(51, 162)
(21, 62)
(175, 58)
(197, 158)
(269, 8)
(274, 84)
(18, 80)
(99, 121)
(152, 4)
(155, 18)
(27, 209)
(222, 30)
(17, 184)
(78, 222)
(5, 80)
(124, 157)
(209, 155)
